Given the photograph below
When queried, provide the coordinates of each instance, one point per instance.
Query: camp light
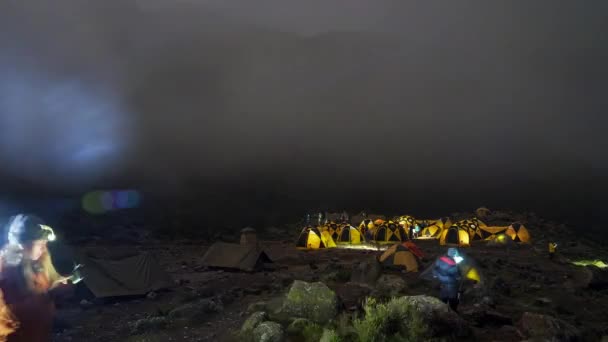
(458, 259)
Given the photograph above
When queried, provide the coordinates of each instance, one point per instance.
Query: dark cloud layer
(459, 102)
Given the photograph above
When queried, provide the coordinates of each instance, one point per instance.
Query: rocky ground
(523, 295)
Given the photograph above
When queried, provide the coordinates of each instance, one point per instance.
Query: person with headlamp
(446, 270)
(28, 281)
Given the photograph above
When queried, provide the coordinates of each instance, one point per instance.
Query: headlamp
(50, 233)
(458, 259)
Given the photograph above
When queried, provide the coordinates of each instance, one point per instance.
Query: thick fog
(435, 101)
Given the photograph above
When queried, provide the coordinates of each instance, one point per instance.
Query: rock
(389, 286)
(151, 295)
(196, 311)
(366, 272)
(268, 332)
(439, 318)
(352, 295)
(298, 325)
(509, 333)
(598, 278)
(314, 301)
(257, 306)
(252, 322)
(145, 325)
(534, 325)
(485, 317)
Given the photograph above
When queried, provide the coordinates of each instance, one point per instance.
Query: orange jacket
(26, 314)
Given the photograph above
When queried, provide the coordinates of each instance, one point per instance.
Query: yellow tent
(490, 233)
(455, 235)
(435, 229)
(313, 238)
(351, 235)
(518, 232)
(366, 225)
(406, 221)
(401, 257)
(334, 229)
(389, 232)
(473, 226)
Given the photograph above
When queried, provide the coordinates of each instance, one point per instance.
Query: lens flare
(99, 202)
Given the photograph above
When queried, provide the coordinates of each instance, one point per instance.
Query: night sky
(394, 105)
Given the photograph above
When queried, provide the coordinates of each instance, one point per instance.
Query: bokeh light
(99, 202)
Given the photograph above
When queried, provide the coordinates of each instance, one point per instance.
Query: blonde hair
(45, 266)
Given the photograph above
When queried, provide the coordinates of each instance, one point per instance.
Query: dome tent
(518, 232)
(456, 235)
(350, 235)
(313, 238)
(399, 256)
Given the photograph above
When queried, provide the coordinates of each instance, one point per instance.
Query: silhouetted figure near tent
(28, 282)
(446, 270)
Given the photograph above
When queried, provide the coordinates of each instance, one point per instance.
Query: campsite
(216, 290)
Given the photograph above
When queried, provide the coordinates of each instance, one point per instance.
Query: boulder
(268, 332)
(367, 272)
(313, 301)
(388, 286)
(298, 325)
(438, 317)
(252, 322)
(257, 306)
(352, 295)
(535, 325)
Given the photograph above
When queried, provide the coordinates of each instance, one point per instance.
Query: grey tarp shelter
(129, 274)
(234, 256)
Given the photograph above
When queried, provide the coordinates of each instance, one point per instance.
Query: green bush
(396, 320)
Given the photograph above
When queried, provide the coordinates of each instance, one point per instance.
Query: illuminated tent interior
(313, 238)
(351, 235)
(455, 235)
(518, 232)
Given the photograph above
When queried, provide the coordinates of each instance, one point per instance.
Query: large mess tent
(389, 232)
(313, 238)
(455, 235)
(436, 227)
(518, 232)
(399, 256)
(117, 274)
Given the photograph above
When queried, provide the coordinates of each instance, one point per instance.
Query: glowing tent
(473, 226)
(389, 232)
(490, 233)
(406, 221)
(313, 238)
(366, 225)
(399, 256)
(455, 235)
(434, 230)
(351, 235)
(518, 232)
